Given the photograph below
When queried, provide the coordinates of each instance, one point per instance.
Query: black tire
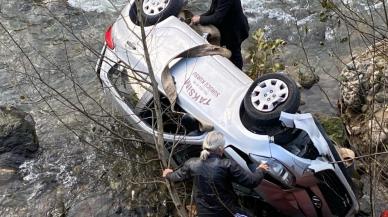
(254, 117)
(172, 9)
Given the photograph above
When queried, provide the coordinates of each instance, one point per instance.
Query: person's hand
(263, 167)
(166, 172)
(195, 19)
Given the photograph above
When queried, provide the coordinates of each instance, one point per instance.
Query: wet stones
(307, 78)
(7, 175)
(381, 97)
(18, 140)
(364, 98)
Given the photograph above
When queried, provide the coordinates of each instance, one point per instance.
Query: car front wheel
(267, 97)
(154, 11)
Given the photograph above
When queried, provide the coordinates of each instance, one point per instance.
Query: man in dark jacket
(213, 177)
(228, 17)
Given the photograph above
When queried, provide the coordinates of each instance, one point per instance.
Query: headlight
(276, 170)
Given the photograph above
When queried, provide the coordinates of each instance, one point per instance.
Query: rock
(365, 204)
(381, 97)
(18, 140)
(351, 66)
(380, 64)
(351, 88)
(364, 108)
(84, 207)
(302, 102)
(356, 130)
(6, 175)
(358, 184)
(379, 127)
(306, 78)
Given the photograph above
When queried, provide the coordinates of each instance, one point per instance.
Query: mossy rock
(333, 126)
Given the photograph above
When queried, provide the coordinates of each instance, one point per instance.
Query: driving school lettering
(206, 85)
(200, 90)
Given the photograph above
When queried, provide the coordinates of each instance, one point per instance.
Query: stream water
(72, 178)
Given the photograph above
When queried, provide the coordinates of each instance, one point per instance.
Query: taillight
(109, 38)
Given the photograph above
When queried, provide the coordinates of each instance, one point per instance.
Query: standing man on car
(213, 177)
(229, 18)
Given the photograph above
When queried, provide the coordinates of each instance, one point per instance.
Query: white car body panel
(210, 90)
(165, 41)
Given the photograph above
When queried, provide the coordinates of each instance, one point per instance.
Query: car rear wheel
(268, 96)
(154, 11)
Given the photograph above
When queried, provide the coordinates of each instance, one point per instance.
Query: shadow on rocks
(18, 140)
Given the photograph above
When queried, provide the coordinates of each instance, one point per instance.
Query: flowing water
(69, 177)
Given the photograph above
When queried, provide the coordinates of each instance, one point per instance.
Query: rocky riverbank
(364, 98)
(84, 172)
(363, 105)
(113, 190)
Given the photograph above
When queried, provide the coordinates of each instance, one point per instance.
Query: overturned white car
(258, 118)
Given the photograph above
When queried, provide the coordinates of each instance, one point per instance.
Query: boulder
(307, 78)
(304, 77)
(18, 140)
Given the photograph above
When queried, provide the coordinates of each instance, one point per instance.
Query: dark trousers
(235, 48)
(236, 57)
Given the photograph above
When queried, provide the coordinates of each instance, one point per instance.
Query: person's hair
(214, 141)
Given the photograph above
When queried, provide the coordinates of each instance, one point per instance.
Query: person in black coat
(213, 177)
(228, 17)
